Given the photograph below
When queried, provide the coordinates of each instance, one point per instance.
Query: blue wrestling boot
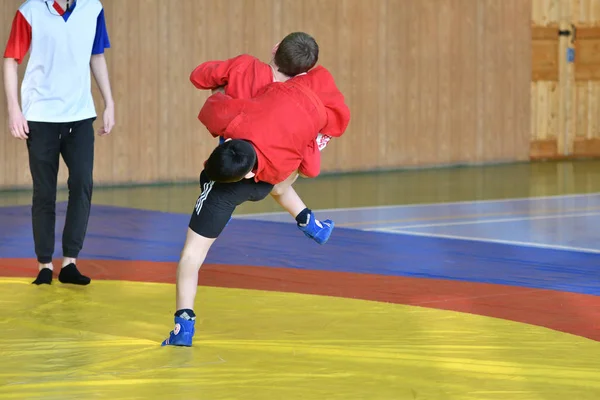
(182, 334)
(319, 231)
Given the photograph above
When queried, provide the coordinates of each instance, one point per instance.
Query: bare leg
(194, 252)
(192, 256)
(286, 196)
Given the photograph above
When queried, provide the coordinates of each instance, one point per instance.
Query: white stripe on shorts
(205, 191)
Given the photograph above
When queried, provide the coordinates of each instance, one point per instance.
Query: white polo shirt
(57, 82)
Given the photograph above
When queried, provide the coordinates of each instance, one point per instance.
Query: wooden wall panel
(546, 12)
(429, 82)
(585, 12)
(587, 50)
(586, 141)
(501, 59)
(544, 53)
(14, 168)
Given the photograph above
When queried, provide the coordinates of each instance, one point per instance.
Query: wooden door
(565, 87)
(585, 141)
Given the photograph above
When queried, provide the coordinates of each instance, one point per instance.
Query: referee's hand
(17, 124)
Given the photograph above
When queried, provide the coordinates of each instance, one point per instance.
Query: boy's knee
(195, 248)
(279, 190)
(191, 255)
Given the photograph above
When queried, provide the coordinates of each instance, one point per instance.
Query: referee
(66, 39)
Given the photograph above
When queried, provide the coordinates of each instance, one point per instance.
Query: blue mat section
(409, 215)
(579, 231)
(128, 234)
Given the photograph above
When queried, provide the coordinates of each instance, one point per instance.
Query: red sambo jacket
(245, 76)
(280, 122)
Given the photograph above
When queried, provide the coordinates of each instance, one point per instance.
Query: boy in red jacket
(244, 76)
(266, 140)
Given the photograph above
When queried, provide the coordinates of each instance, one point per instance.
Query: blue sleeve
(101, 40)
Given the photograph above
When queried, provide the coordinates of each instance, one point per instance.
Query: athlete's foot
(319, 231)
(182, 334)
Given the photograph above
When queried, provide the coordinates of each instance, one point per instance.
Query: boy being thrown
(244, 76)
(267, 138)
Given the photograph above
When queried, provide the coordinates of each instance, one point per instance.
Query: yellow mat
(102, 342)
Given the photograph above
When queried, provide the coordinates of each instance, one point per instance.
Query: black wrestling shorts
(217, 202)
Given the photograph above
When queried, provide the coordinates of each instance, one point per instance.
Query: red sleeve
(338, 115)
(310, 167)
(214, 74)
(320, 80)
(19, 39)
(219, 111)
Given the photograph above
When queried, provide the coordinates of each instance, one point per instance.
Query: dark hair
(230, 161)
(297, 53)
